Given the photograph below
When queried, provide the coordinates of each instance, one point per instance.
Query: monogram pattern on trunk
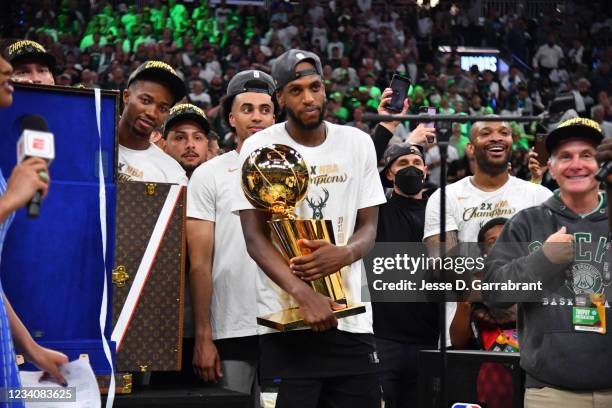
(153, 340)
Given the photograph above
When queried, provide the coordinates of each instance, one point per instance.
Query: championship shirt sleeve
(372, 192)
(432, 215)
(201, 194)
(239, 201)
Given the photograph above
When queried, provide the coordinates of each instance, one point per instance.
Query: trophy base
(291, 318)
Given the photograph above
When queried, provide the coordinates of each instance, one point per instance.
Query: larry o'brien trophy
(275, 179)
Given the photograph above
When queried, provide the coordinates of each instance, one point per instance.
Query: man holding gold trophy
(309, 178)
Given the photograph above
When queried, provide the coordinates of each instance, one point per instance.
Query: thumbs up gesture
(559, 247)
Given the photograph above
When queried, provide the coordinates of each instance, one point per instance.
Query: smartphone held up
(540, 149)
(400, 86)
(428, 110)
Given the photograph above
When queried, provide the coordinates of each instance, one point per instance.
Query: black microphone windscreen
(34, 122)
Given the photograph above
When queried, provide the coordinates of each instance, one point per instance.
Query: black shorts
(399, 371)
(307, 354)
(238, 348)
(354, 391)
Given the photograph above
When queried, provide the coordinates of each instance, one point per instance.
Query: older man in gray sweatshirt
(563, 243)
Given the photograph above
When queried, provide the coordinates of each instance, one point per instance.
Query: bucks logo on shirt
(590, 266)
(318, 196)
(590, 271)
(318, 204)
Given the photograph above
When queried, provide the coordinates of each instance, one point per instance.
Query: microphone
(35, 141)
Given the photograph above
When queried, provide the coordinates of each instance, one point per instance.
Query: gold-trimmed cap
(183, 112)
(582, 128)
(23, 49)
(161, 72)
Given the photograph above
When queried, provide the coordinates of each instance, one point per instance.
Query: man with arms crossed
(222, 275)
(334, 363)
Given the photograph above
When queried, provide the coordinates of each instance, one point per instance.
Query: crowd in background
(555, 60)
(566, 51)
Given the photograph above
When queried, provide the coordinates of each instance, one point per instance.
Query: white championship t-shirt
(469, 208)
(152, 165)
(343, 179)
(233, 310)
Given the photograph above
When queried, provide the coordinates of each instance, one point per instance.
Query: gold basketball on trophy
(275, 179)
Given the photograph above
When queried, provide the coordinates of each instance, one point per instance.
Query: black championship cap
(581, 128)
(26, 49)
(250, 81)
(162, 72)
(183, 112)
(283, 69)
(393, 153)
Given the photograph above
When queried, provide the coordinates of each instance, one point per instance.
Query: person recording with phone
(389, 105)
(538, 157)
(27, 178)
(538, 168)
(432, 151)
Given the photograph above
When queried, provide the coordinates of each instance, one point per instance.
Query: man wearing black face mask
(402, 329)
(404, 171)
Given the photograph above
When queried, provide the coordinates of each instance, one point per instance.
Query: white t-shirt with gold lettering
(343, 179)
(469, 208)
(152, 165)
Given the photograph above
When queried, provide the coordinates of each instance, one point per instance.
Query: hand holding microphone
(29, 180)
(24, 183)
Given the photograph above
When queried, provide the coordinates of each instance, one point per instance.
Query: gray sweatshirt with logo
(552, 353)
